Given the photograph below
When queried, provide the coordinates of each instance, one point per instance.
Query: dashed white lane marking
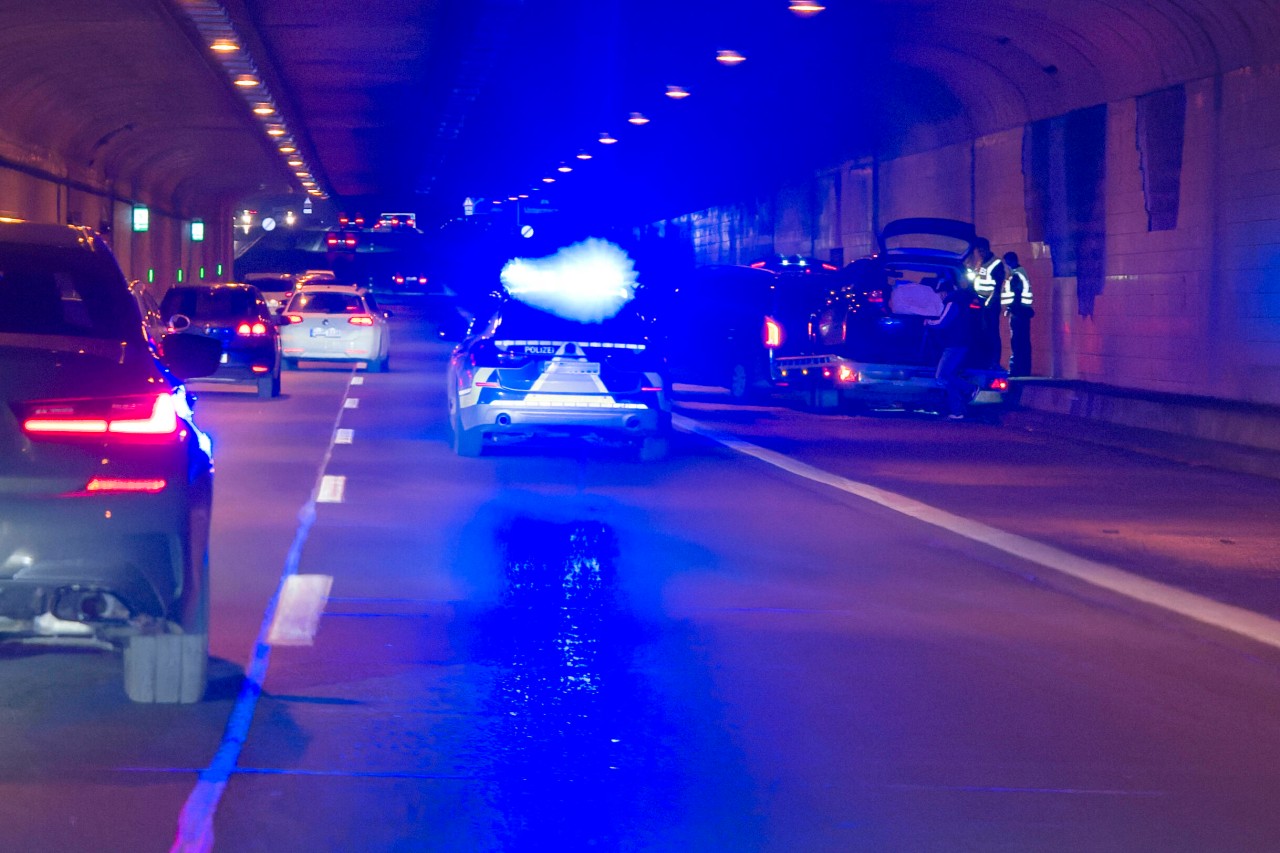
(332, 487)
(344, 436)
(351, 403)
(195, 821)
(297, 616)
(357, 380)
(1228, 617)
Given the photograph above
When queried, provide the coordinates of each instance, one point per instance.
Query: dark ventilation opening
(1161, 126)
(1064, 170)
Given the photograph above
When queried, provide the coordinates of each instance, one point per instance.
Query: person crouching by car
(957, 331)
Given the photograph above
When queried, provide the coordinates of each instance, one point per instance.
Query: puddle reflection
(574, 752)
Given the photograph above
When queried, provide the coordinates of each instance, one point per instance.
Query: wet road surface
(559, 648)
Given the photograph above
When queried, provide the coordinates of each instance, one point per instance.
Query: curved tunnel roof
(402, 101)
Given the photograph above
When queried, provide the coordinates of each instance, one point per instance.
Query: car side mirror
(190, 356)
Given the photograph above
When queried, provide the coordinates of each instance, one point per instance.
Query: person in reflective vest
(988, 275)
(1016, 300)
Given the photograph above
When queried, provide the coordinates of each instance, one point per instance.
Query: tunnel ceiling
(416, 104)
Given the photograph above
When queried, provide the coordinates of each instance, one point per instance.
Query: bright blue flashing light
(587, 282)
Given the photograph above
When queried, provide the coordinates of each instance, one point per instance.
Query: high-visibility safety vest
(1017, 288)
(984, 283)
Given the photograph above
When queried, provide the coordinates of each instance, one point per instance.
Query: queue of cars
(106, 479)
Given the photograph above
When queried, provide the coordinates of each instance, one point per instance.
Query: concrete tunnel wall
(1192, 310)
(162, 256)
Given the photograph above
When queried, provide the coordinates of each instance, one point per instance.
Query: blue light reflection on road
(575, 750)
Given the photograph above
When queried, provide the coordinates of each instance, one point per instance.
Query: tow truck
(869, 346)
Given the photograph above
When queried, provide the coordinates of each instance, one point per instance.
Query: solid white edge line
(1227, 617)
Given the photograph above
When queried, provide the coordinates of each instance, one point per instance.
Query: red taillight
(255, 330)
(399, 279)
(349, 241)
(772, 333)
(145, 415)
(360, 320)
(125, 484)
(999, 384)
(331, 240)
(848, 374)
(293, 318)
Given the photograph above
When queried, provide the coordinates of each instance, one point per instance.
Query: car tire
(166, 668)
(382, 365)
(739, 381)
(290, 363)
(269, 386)
(653, 448)
(466, 442)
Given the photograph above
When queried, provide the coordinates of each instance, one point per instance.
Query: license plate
(325, 333)
(589, 368)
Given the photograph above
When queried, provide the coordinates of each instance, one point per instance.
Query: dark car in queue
(527, 373)
(238, 317)
(105, 480)
(724, 325)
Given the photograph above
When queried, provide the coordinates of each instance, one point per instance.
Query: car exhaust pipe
(632, 422)
(503, 419)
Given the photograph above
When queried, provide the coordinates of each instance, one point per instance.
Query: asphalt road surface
(743, 647)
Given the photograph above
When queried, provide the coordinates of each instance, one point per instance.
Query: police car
(529, 373)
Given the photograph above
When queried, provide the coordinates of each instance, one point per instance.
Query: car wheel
(466, 442)
(652, 448)
(166, 668)
(269, 386)
(739, 382)
(379, 366)
(290, 363)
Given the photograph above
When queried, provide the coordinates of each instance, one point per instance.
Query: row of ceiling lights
(730, 58)
(219, 35)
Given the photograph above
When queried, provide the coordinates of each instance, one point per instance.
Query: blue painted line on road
(195, 822)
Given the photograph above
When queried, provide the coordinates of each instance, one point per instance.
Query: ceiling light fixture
(224, 45)
(246, 81)
(638, 119)
(275, 130)
(583, 155)
(563, 168)
(806, 8)
(677, 93)
(729, 57)
(287, 147)
(548, 180)
(264, 110)
(607, 138)
(294, 161)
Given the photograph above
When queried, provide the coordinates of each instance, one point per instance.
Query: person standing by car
(988, 275)
(1016, 299)
(957, 332)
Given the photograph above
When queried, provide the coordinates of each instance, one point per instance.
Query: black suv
(236, 315)
(724, 325)
(105, 480)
